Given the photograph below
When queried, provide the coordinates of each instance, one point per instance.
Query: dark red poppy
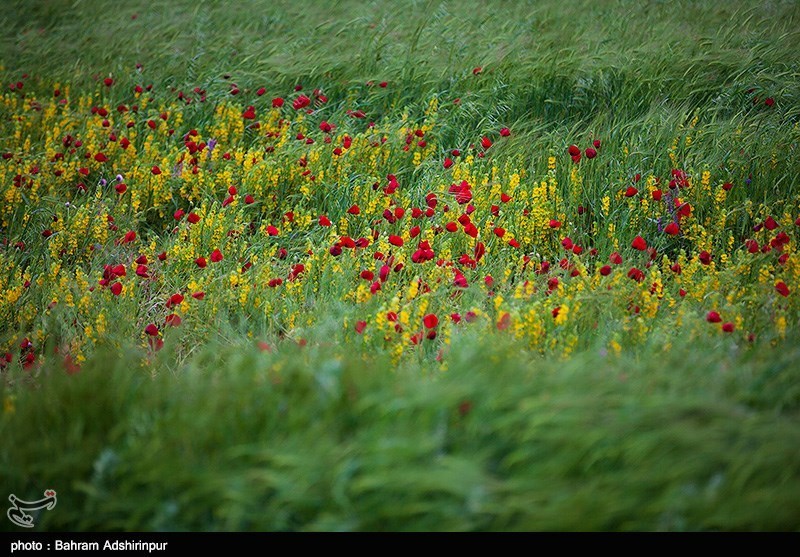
(781, 288)
(636, 274)
(770, 223)
(639, 243)
(301, 101)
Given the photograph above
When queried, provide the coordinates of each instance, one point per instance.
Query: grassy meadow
(401, 265)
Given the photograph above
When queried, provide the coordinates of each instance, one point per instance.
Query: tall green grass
(309, 439)
(221, 436)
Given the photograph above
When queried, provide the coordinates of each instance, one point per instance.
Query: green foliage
(211, 433)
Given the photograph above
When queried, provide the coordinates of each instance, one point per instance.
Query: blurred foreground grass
(307, 439)
(222, 436)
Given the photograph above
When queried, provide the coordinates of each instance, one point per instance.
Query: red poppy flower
(201, 262)
(324, 221)
(151, 330)
(396, 240)
(100, 157)
(554, 223)
(636, 274)
(639, 243)
(657, 194)
(175, 300)
(505, 321)
(605, 270)
(430, 321)
(770, 223)
(672, 229)
(277, 102)
(781, 288)
(448, 162)
(360, 326)
(728, 327)
(367, 275)
(108, 82)
(486, 142)
(155, 171)
(713, 317)
(705, 258)
(173, 320)
(216, 256)
(727, 186)
(631, 191)
(301, 102)
(590, 153)
(250, 113)
(116, 288)
(574, 151)
(505, 198)
(505, 132)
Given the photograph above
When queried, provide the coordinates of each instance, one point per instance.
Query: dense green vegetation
(521, 377)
